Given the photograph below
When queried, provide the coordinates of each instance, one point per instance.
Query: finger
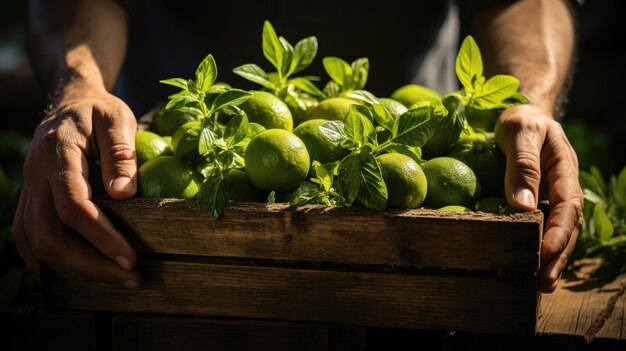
(55, 245)
(71, 194)
(20, 237)
(523, 168)
(115, 133)
(550, 273)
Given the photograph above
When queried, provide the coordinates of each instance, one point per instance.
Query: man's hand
(538, 153)
(56, 222)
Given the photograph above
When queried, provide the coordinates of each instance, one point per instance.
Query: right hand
(55, 212)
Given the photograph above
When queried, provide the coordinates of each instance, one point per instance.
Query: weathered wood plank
(585, 308)
(447, 301)
(154, 333)
(416, 238)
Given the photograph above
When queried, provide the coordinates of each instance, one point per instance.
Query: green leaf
(382, 116)
(373, 192)
(271, 198)
(360, 70)
(588, 181)
(287, 56)
(254, 74)
(602, 223)
(304, 54)
(215, 194)
(176, 82)
(332, 89)
(454, 122)
(347, 182)
(236, 129)
(321, 176)
(272, 48)
(206, 144)
(10, 285)
(338, 70)
(358, 125)
(620, 189)
(469, 63)
(599, 179)
(233, 97)
(593, 197)
(415, 127)
(206, 73)
(516, 99)
(363, 96)
(334, 132)
(181, 98)
(306, 86)
(413, 152)
(497, 89)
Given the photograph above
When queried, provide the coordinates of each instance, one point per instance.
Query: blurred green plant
(604, 230)
(15, 278)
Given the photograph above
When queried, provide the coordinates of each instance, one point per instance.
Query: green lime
(277, 160)
(450, 182)
(495, 205)
(405, 180)
(241, 188)
(149, 145)
(412, 93)
(300, 114)
(268, 110)
(304, 188)
(167, 122)
(185, 140)
(483, 119)
(455, 208)
(487, 162)
(168, 177)
(319, 146)
(332, 109)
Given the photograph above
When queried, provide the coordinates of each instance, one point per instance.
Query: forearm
(85, 37)
(532, 40)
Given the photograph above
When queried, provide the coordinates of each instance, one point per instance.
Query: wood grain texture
(155, 333)
(450, 301)
(415, 238)
(585, 308)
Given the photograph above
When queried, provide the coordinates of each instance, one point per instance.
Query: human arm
(534, 40)
(77, 48)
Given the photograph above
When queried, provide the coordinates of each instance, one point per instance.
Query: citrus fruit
(405, 180)
(185, 140)
(298, 113)
(268, 110)
(455, 208)
(487, 162)
(167, 122)
(277, 160)
(450, 182)
(319, 146)
(495, 205)
(412, 93)
(149, 145)
(332, 109)
(241, 188)
(395, 107)
(304, 188)
(168, 176)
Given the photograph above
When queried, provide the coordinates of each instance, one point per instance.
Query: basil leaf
(415, 126)
(497, 89)
(338, 69)
(358, 125)
(236, 129)
(602, 223)
(516, 99)
(332, 89)
(413, 152)
(469, 63)
(272, 48)
(360, 71)
(181, 98)
(206, 73)
(593, 197)
(363, 96)
(454, 122)
(233, 97)
(304, 54)
(321, 175)
(599, 178)
(382, 116)
(255, 74)
(306, 86)
(206, 144)
(271, 197)
(333, 131)
(287, 56)
(176, 82)
(620, 189)
(373, 192)
(347, 182)
(215, 194)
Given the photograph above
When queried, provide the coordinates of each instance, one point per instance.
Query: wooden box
(415, 269)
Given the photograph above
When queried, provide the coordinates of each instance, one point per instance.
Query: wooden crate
(416, 269)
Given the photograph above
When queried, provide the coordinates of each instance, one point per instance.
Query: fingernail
(124, 262)
(131, 284)
(525, 197)
(123, 184)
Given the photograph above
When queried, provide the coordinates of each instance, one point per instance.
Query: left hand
(538, 152)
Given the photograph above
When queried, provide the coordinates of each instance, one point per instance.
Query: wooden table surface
(582, 307)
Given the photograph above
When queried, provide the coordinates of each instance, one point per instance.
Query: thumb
(115, 134)
(523, 171)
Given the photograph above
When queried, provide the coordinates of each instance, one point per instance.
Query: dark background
(595, 120)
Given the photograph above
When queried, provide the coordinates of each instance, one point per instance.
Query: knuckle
(527, 165)
(119, 152)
